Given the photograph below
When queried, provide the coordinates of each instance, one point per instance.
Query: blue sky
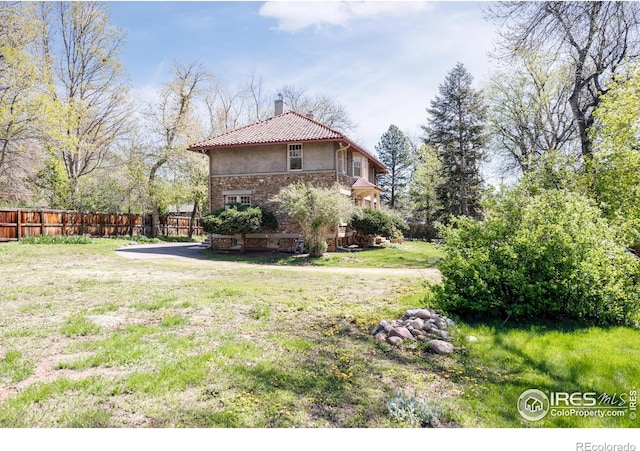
(382, 60)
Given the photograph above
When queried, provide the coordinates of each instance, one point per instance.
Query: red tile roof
(362, 183)
(287, 127)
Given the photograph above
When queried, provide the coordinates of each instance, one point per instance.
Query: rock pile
(422, 324)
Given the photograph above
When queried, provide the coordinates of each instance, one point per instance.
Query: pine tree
(394, 150)
(456, 129)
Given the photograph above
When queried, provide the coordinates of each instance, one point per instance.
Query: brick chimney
(279, 105)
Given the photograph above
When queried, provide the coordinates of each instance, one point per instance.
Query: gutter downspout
(340, 149)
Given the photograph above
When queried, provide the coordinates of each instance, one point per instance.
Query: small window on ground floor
(234, 199)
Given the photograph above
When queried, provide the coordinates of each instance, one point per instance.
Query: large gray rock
(415, 323)
(410, 313)
(440, 347)
(401, 332)
(381, 336)
(395, 341)
(423, 313)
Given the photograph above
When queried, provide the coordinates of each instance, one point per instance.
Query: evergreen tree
(394, 150)
(456, 129)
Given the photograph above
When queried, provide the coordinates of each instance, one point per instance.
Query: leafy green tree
(18, 77)
(316, 210)
(86, 86)
(395, 151)
(615, 181)
(370, 222)
(239, 219)
(456, 129)
(425, 206)
(546, 256)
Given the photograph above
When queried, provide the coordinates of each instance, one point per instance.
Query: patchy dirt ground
(278, 346)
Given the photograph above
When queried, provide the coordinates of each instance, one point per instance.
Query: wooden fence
(19, 223)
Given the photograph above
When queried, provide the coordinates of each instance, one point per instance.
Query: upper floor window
(357, 166)
(295, 157)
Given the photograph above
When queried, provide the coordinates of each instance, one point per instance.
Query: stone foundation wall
(222, 243)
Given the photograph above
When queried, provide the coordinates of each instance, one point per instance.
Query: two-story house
(249, 165)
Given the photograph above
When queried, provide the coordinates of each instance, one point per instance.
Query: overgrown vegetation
(550, 255)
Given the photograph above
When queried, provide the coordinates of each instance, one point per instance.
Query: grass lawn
(90, 339)
(411, 254)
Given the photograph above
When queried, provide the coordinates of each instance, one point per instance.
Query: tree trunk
(155, 220)
(193, 218)
(155, 207)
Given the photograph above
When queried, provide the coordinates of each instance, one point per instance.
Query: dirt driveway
(191, 251)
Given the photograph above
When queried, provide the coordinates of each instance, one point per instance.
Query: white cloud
(295, 16)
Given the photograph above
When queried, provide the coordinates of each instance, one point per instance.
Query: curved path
(192, 251)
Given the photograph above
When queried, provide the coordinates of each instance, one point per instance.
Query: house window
(357, 166)
(295, 157)
(234, 199)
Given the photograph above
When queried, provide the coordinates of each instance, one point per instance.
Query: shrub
(368, 221)
(317, 211)
(239, 219)
(415, 410)
(551, 255)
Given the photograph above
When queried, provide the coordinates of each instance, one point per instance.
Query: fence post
(41, 222)
(19, 225)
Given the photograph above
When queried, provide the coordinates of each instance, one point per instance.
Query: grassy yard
(90, 339)
(411, 254)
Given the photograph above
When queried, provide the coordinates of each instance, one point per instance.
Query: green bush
(239, 219)
(551, 256)
(368, 221)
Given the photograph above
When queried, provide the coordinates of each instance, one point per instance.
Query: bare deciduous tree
(324, 108)
(172, 125)
(529, 112)
(593, 37)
